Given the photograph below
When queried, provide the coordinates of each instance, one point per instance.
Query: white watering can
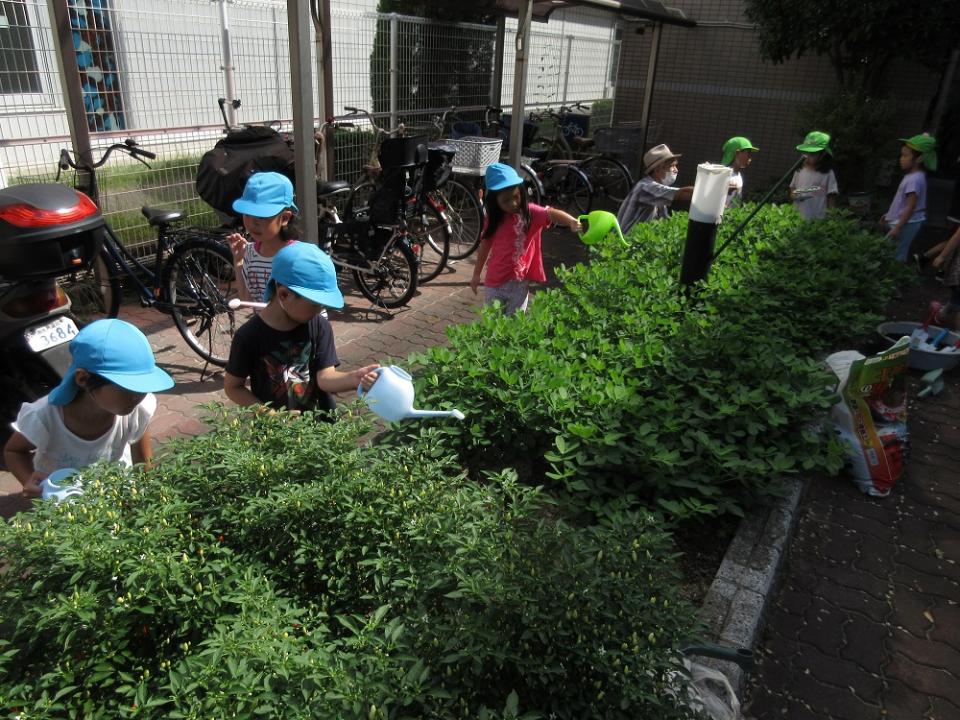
(237, 303)
(391, 397)
(61, 485)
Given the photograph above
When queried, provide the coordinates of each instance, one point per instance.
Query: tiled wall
(711, 85)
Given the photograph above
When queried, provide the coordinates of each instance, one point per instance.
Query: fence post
(524, 16)
(226, 51)
(301, 86)
(566, 70)
(72, 90)
(651, 80)
(496, 84)
(394, 35)
(324, 41)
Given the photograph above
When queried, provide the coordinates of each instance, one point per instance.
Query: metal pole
(496, 84)
(946, 85)
(651, 79)
(524, 15)
(394, 33)
(301, 85)
(566, 70)
(226, 51)
(321, 21)
(72, 90)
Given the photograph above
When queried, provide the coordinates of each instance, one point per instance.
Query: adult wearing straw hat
(652, 197)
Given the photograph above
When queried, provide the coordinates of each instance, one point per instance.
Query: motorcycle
(47, 231)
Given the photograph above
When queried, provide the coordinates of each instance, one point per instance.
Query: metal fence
(154, 71)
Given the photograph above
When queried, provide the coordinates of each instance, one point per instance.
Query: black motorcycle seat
(159, 216)
(330, 187)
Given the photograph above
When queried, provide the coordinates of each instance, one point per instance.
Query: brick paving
(865, 623)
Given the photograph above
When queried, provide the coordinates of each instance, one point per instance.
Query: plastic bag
(711, 693)
(871, 415)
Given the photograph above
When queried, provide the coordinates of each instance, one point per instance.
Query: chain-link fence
(154, 71)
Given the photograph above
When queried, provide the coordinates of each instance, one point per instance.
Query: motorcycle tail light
(35, 299)
(27, 216)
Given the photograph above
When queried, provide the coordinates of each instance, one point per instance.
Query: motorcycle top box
(47, 230)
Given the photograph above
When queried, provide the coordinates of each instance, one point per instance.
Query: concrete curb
(734, 607)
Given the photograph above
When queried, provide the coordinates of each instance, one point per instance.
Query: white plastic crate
(475, 153)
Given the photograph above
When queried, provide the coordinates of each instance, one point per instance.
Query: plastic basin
(922, 359)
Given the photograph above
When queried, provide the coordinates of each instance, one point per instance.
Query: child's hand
(938, 262)
(576, 227)
(475, 282)
(31, 488)
(366, 377)
(893, 231)
(238, 246)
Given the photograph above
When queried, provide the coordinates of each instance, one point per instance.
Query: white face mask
(670, 177)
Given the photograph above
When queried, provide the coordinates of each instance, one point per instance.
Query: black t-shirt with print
(282, 364)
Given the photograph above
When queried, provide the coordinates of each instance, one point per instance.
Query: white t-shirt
(256, 271)
(42, 424)
(810, 189)
(735, 189)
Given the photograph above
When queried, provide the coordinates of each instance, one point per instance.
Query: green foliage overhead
(272, 568)
(616, 384)
(478, 11)
(860, 37)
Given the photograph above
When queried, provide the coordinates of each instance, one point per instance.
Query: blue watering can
(391, 397)
(61, 485)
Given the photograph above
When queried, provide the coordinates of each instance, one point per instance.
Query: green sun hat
(926, 145)
(816, 141)
(734, 145)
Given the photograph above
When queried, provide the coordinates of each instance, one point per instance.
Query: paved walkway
(865, 623)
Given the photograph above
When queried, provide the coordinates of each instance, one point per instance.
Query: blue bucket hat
(265, 195)
(308, 271)
(500, 176)
(117, 351)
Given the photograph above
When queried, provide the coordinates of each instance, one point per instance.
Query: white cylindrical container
(710, 193)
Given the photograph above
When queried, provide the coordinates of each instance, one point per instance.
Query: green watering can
(600, 223)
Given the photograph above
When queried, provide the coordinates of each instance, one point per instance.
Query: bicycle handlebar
(129, 146)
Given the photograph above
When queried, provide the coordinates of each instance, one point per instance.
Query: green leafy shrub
(272, 567)
(617, 384)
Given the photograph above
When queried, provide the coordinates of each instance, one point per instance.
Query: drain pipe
(227, 67)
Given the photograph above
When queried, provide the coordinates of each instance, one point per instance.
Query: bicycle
(495, 128)
(192, 278)
(429, 229)
(610, 178)
(374, 243)
(563, 181)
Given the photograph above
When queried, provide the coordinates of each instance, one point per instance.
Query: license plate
(54, 333)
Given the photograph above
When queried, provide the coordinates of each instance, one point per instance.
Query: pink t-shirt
(515, 252)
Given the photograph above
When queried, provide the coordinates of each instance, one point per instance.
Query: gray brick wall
(711, 85)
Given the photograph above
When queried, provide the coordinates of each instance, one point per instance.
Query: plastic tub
(922, 359)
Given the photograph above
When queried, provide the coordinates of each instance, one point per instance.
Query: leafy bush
(273, 568)
(617, 384)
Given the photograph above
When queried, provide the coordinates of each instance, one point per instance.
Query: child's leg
(513, 295)
(907, 233)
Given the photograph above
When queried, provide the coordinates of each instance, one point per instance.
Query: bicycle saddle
(535, 154)
(161, 216)
(331, 186)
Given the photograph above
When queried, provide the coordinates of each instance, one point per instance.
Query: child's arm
(559, 217)
(238, 248)
(18, 455)
(481, 260)
(236, 389)
(948, 248)
(331, 380)
(141, 451)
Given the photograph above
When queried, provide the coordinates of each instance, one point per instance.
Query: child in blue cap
(511, 240)
(100, 411)
(268, 213)
(287, 351)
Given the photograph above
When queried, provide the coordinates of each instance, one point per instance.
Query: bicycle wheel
(392, 281)
(568, 189)
(430, 240)
(532, 185)
(94, 292)
(465, 213)
(610, 179)
(200, 281)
